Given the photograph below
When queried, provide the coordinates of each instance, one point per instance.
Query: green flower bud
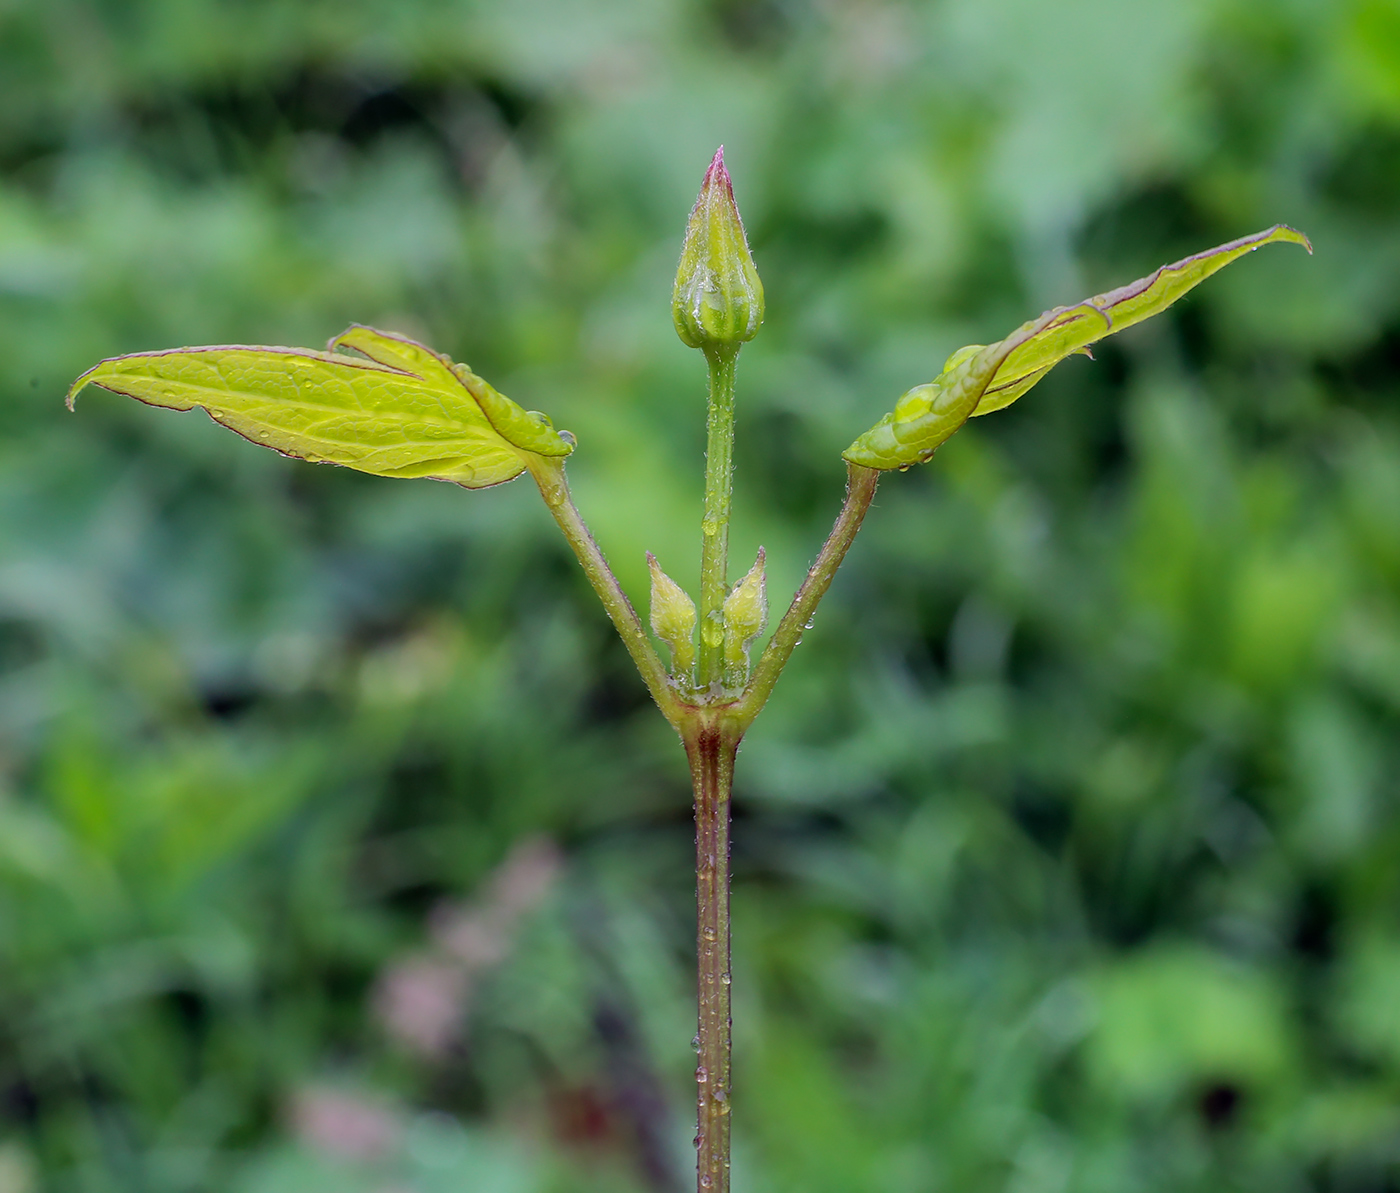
(718, 299)
(672, 617)
(745, 616)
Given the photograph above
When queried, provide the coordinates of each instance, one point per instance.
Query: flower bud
(672, 617)
(718, 299)
(745, 615)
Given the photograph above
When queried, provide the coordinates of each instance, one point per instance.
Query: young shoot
(383, 404)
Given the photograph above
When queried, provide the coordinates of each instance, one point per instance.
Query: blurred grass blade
(405, 412)
(979, 379)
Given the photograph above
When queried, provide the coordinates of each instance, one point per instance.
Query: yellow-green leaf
(526, 429)
(403, 413)
(397, 352)
(979, 379)
(925, 417)
(1104, 314)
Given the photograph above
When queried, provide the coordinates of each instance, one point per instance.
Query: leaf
(1104, 314)
(526, 429)
(928, 415)
(405, 412)
(980, 379)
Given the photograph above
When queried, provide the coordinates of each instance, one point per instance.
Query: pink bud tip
(717, 174)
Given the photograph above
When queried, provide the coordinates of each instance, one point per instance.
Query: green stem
(711, 735)
(554, 488)
(860, 492)
(714, 526)
(710, 747)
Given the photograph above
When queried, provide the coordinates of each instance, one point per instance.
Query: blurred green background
(339, 847)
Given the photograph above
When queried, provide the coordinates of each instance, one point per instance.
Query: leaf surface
(1104, 314)
(980, 379)
(404, 412)
(528, 430)
(928, 415)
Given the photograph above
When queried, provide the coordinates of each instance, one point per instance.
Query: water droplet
(709, 934)
(696, 1142)
(702, 1074)
(811, 621)
(721, 1094)
(725, 978)
(709, 527)
(705, 1181)
(713, 632)
(695, 1042)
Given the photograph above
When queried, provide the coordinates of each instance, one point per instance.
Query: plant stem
(860, 492)
(554, 488)
(714, 526)
(711, 749)
(711, 735)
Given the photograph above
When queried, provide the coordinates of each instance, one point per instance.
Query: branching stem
(860, 492)
(554, 488)
(710, 726)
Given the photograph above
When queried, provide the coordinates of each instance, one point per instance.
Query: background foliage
(340, 850)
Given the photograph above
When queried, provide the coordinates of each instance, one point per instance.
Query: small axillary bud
(745, 616)
(718, 299)
(672, 617)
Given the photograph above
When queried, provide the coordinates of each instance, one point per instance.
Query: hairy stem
(860, 492)
(554, 488)
(714, 526)
(710, 749)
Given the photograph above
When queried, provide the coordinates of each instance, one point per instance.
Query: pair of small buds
(745, 614)
(718, 298)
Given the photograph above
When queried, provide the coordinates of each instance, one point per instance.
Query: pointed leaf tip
(1291, 236)
(403, 412)
(977, 380)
